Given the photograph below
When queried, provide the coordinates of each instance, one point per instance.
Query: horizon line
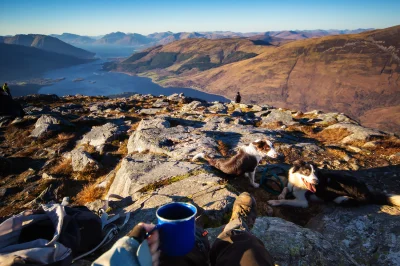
(244, 32)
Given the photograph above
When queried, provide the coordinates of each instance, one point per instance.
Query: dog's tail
(205, 157)
(386, 199)
(199, 155)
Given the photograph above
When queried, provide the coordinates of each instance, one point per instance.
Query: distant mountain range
(24, 62)
(358, 74)
(162, 38)
(74, 39)
(47, 43)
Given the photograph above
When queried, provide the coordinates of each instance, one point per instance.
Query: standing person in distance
(238, 98)
(6, 90)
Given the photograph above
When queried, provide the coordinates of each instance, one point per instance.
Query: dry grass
(307, 130)
(89, 193)
(387, 146)
(223, 148)
(89, 174)
(65, 136)
(123, 148)
(333, 135)
(337, 153)
(63, 168)
(88, 148)
(272, 126)
(18, 137)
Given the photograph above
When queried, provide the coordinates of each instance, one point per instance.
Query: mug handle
(157, 227)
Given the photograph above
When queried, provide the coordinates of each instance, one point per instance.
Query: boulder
(140, 170)
(290, 244)
(370, 234)
(331, 118)
(191, 107)
(218, 108)
(276, 115)
(82, 161)
(69, 109)
(175, 97)
(160, 103)
(356, 132)
(257, 108)
(149, 111)
(48, 123)
(144, 177)
(180, 142)
(158, 122)
(101, 135)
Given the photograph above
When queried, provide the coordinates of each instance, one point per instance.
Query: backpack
(54, 235)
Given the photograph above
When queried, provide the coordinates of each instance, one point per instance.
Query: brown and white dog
(245, 161)
(309, 183)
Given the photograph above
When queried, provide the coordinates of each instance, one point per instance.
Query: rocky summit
(141, 147)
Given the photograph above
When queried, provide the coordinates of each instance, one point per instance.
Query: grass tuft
(63, 168)
(89, 193)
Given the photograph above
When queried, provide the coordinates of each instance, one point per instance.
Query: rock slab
(370, 234)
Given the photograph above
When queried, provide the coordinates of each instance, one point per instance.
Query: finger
(148, 227)
(154, 242)
(154, 247)
(156, 258)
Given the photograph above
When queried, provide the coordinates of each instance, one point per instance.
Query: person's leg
(236, 245)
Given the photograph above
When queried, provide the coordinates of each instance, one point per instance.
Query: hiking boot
(244, 209)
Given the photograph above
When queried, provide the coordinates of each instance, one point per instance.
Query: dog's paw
(274, 202)
(256, 185)
(282, 196)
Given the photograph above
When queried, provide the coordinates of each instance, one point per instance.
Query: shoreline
(30, 86)
(163, 86)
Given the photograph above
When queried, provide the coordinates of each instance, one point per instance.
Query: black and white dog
(307, 183)
(245, 161)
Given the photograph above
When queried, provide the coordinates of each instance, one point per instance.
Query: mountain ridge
(48, 43)
(74, 38)
(157, 38)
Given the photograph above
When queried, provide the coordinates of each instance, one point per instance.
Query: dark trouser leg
(236, 246)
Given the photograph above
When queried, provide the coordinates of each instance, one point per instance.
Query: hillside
(141, 147)
(185, 56)
(48, 43)
(347, 73)
(22, 62)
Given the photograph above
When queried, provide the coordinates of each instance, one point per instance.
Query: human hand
(139, 233)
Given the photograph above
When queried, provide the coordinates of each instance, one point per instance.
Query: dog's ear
(259, 144)
(297, 165)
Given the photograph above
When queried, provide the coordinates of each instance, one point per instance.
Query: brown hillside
(346, 73)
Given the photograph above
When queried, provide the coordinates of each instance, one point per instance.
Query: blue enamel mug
(176, 226)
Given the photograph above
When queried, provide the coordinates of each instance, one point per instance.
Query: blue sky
(97, 17)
